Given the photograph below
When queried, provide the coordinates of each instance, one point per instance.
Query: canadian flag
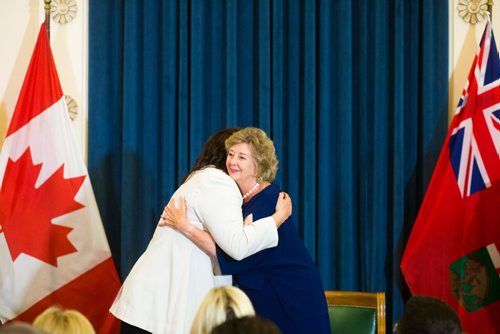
(53, 248)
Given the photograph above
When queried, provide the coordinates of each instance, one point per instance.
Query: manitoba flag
(53, 248)
(452, 253)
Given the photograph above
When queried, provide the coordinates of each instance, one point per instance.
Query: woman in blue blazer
(282, 282)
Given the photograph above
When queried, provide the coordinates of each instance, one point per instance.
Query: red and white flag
(452, 253)
(53, 248)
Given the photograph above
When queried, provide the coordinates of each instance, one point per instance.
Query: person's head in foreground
(221, 304)
(247, 325)
(56, 320)
(428, 315)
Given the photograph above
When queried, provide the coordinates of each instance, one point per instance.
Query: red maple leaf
(26, 212)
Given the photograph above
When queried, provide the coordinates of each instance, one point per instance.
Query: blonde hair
(262, 149)
(55, 320)
(221, 304)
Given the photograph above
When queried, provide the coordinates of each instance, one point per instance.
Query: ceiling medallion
(72, 107)
(473, 11)
(63, 11)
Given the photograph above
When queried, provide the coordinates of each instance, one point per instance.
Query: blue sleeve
(230, 266)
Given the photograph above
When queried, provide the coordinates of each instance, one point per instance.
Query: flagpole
(47, 16)
(490, 8)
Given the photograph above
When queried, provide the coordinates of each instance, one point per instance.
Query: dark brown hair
(247, 325)
(428, 315)
(214, 153)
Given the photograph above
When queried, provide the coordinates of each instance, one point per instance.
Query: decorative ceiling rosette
(473, 11)
(72, 107)
(63, 11)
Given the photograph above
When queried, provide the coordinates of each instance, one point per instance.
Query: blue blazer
(283, 282)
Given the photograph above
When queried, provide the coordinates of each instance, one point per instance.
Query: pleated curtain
(353, 93)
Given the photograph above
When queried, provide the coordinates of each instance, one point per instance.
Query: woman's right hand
(176, 218)
(283, 209)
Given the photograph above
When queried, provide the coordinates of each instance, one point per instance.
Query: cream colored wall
(464, 43)
(20, 22)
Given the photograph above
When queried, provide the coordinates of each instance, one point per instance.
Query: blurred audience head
(428, 315)
(247, 325)
(56, 320)
(221, 304)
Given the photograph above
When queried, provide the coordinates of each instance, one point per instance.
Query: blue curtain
(353, 93)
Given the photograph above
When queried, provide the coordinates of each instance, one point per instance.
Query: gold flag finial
(47, 16)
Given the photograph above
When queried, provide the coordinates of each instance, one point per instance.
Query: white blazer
(168, 282)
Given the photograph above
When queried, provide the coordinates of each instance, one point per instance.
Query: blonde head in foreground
(56, 320)
(221, 304)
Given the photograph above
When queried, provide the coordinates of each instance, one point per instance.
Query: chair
(356, 312)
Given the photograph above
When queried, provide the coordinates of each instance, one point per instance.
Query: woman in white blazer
(169, 281)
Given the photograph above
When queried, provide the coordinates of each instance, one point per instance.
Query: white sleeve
(219, 208)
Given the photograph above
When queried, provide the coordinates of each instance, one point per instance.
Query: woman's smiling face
(241, 165)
